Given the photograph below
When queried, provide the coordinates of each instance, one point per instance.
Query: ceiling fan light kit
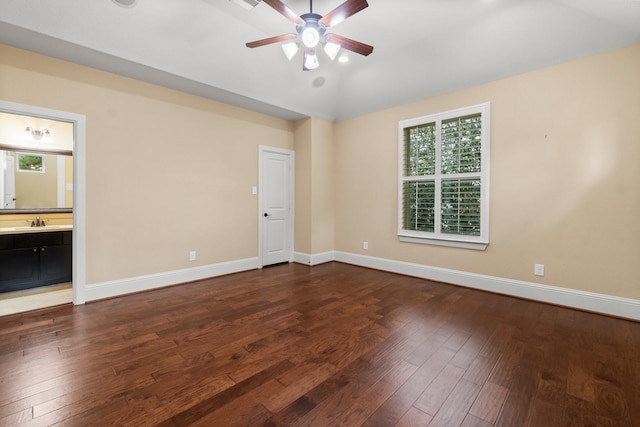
(311, 31)
(310, 36)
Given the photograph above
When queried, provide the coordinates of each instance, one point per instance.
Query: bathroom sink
(30, 229)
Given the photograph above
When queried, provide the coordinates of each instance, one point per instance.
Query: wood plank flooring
(331, 345)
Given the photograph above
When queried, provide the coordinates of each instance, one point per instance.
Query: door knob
(266, 214)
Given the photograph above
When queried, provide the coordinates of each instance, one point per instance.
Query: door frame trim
(291, 196)
(79, 185)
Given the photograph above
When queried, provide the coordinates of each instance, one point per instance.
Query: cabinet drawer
(28, 240)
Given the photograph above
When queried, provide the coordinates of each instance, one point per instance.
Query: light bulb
(310, 37)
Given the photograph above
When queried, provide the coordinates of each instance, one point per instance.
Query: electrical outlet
(538, 269)
(365, 245)
(192, 256)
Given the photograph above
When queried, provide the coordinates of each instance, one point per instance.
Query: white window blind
(444, 174)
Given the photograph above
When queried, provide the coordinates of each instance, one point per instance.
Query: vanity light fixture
(38, 135)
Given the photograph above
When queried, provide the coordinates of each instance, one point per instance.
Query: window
(30, 163)
(444, 178)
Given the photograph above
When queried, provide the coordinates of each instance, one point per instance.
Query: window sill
(451, 243)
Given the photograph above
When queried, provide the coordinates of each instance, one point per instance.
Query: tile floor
(33, 299)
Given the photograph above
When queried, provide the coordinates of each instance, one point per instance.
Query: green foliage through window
(442, 175)
(420, 146)
(419, 198)
(460, 207)
(461, 144)
(30, 162)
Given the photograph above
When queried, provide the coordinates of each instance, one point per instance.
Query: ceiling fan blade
(352, 45)
(342, 12)
(271, 40)
(284, 10)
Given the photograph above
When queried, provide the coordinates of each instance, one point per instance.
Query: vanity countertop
(22, 230)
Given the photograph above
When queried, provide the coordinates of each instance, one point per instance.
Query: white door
(9, 183)
(276, 203)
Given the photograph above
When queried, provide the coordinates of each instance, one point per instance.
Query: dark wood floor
(331, 345)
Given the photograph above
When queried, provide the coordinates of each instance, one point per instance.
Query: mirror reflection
(35, 180)
(36, 163)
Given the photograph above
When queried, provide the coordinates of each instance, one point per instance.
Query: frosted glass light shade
(290, 49)
(310, 37)
(311, 61)
(332, 49)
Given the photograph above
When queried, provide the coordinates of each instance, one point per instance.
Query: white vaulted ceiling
(422, 47)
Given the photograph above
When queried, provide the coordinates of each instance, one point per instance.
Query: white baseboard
(313, 259)
(114, 288)
(589, 301)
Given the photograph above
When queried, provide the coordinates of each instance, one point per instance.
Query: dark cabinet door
(55, 264)
(30, 260)
(19, 269)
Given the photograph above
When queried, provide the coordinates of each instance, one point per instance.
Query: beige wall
(303, 186)
(323, 204)
(565, 177)
(314, 227)
(167, 172)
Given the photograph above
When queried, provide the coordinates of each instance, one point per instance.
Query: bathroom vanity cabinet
(31, 260)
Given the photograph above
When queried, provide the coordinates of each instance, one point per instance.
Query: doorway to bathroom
(30, 147)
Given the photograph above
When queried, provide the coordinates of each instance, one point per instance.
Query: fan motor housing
(311, 20)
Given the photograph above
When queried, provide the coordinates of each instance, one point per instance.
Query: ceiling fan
(311, 30)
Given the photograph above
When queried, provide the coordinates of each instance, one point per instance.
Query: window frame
(42, 162)
(437, 237)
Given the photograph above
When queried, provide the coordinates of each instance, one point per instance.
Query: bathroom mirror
(36, 165)
(35, 181)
